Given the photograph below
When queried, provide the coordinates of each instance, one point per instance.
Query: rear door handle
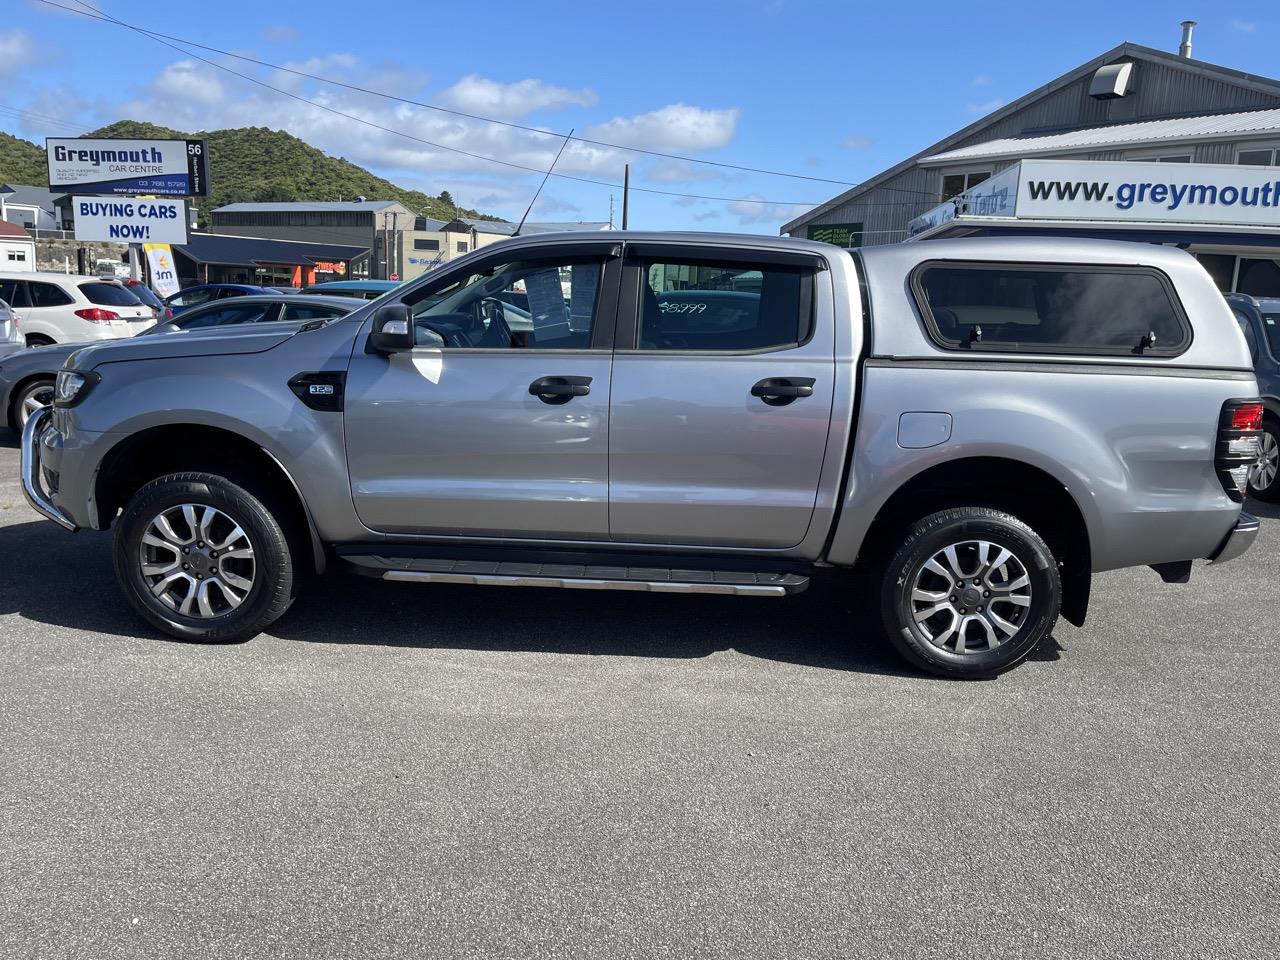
(555, 390)
(779, 391)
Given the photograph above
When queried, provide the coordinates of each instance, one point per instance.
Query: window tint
(293, 311)
(109, 295)
(1040, 309)
(1221, 266)
(14, 293)
(691, 306)
(1271, 327)
(146, 295)
(525, 305)
(48, 295)
(1259, 278)
(228, 292)
(220, 316)
(192, 297)
(1247, 329)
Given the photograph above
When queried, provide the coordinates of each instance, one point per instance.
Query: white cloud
(674, 128)
(17, 50)
(985, 107)
(189, 82)
(749, 212)
(857, 143)
(509, 101)
(981, 80)
(1243, 26)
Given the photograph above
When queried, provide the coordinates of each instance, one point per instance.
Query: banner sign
(841, 234)
(1194, 194)
(1200, 193)
(130, 221)
(169, 168)
(164, 278)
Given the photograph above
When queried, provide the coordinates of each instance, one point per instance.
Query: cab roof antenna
(520, 226)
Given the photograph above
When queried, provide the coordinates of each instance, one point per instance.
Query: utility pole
(626, 192)
(385, 256)
(395, 241)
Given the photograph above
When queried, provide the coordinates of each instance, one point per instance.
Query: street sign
(170, 168)
(130, 221)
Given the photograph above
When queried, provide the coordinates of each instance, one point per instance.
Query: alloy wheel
(971, 596)
(41, 395)
(1263, 473)
(197, 561)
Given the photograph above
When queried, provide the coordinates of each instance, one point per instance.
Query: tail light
(97, 315)
(1239, 445)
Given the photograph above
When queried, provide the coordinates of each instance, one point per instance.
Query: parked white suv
(68, 308)
(10, 337)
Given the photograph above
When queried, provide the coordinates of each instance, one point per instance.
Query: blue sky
(825, 89)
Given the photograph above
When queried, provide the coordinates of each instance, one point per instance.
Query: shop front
(1226, 215)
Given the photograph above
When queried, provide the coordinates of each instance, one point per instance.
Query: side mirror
(392, 329)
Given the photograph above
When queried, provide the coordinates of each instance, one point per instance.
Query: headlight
(71, 387)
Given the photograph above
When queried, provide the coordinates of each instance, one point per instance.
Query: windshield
(146, 296)
(109, 295)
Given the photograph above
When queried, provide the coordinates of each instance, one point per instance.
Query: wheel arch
(180, 447)
(1028, 492)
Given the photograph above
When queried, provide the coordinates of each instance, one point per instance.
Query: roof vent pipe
(1184, 49)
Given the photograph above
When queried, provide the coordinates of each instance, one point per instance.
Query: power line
(156, 35)
(93, 13)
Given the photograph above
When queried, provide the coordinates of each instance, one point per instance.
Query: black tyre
(1264, 476)
(28, 399)
(970, 593)
(203, 559)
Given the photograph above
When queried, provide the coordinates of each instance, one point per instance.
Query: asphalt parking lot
(403, 770)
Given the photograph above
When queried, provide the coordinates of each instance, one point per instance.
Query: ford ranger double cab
(970, 428)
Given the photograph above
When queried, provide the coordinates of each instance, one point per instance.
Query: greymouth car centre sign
(167, 168)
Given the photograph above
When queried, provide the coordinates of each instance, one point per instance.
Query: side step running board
(580, 576)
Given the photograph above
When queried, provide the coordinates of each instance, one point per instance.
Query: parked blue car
(368, 289)
(208, 292)
(1259, 319)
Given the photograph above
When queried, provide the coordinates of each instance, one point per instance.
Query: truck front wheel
(203, 559)
(970, 593)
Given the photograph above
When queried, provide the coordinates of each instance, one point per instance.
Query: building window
(19, 255)
(1220, 266)
(954, 184)
(1258, 277)
(462, 247)
(426, 244)
(1259, 157)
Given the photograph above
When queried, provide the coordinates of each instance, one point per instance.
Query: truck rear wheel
(970, 593)
(1264, 476)
(203, 559)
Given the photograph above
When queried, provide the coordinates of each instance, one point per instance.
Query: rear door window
(48, 295)
(14, 293)
(1039, 308)
(296, 311)
(722, 307)
(109, 295)
(223, 315)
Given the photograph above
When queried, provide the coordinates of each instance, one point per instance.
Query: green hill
(21, 162)
(249, 164)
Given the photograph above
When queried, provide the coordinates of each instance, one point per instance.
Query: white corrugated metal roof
(358, 206)
(1181, 129)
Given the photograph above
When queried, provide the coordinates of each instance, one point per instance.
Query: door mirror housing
(392, 329)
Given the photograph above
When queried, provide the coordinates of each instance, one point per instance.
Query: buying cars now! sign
(130, 221)
(167, 168)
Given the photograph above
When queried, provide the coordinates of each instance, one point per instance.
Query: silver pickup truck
(971, 427)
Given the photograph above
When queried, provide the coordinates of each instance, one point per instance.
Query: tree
(447, 199)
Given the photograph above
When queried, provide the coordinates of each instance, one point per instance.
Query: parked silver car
(979, 425)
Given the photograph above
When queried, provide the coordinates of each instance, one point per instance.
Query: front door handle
(555, 390)
(779, 391)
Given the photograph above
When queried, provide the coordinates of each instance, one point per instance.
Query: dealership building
(1137, 144)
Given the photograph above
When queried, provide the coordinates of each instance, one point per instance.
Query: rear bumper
(1238, 540)
(32, 485)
